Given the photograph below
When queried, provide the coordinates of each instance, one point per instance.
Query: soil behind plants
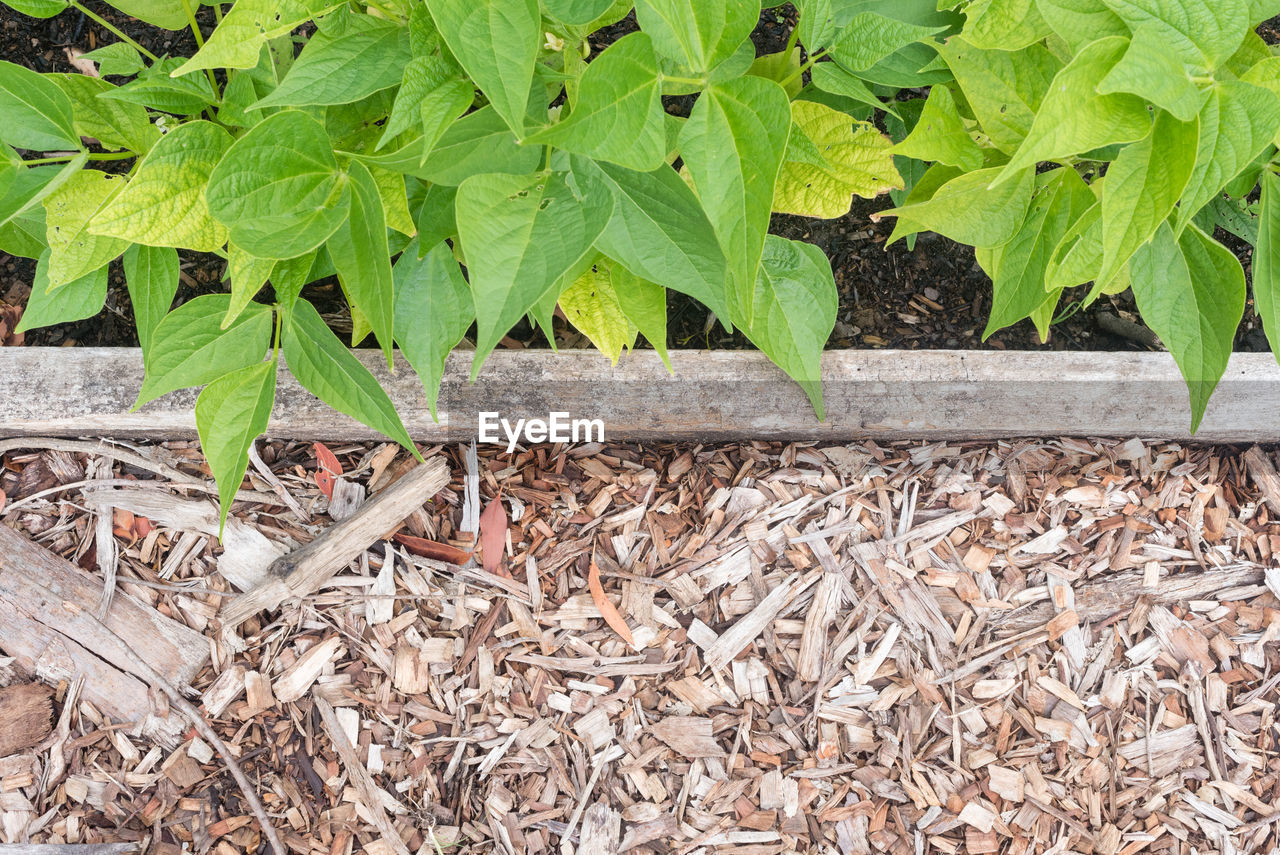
(934, 296)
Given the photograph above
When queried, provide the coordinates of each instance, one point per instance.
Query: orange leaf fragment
(122, 523)
(607, 610)
(325, 482)
(424, 548)
(329, 469)
(493, 536)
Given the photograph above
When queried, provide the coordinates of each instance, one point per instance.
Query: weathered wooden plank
(879, 394)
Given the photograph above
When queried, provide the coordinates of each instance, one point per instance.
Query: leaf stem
(112, 28)
(199, 36)
(792, 40)
(63, 158)
(689, 81)
(795, 75)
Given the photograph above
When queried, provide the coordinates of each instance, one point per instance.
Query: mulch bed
(1038, 646)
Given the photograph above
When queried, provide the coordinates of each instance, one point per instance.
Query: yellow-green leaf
(247, 274)
(591, 305)
(75, 251)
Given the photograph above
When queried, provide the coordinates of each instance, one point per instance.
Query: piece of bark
(26, 716)
(1264, 476)
(601, 828)
(689, 736)
(47, 624)
(307, 568)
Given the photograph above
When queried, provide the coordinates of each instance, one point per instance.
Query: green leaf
(118, 59)
(1078, 22)
(344, 64)
(870, 37)
(1151, 71)
(497, 42)
(1074, 118)
(115, 124)
(591, 305)
(238, 40)
(795, 312)
(818, 24)
(1004, 24)
(1237, 124)
(151, 275)
(1059, 200)
(577, 13)
(164, 203)
(76, 300)
(231, 413)
(395, 201)
(360, 253)
(24, 236)
(434, 214)
(619, 115)
(189, 347)
(1266, 261)
(1004, 88)
(34, 113)
(290, 275)
(165, 14)
(1078, 256)
(432, 95)
(853, 159)
(520, 234)
(31, 185)
(940, 135)
(248, 274)
(1201, 32)
(830, 77)
(700, 35)
(659, 232)
(433, 311)
(68, 210)
(1191, 292)
(324, 367)
(645, 305)
(733, 146)
(477, 143)
(37, 8)
(158, 89)
(968, 209)
(278, 189)
(1143, 186)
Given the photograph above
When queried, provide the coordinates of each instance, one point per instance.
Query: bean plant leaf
(1143, 186)
(76, 251)
(115, 124)
(795, 312)
(1004, 88)
(1237, 123)
(76, 300)
(869, 37)
(165, 14)
(151, 275)
(433, 311)
(1077, 258)
(645, 305)
(164, 203)
(30, 186)
(968, 209)
(1004, 24)
(660, 233)
(158, 88)
(496, 41)
(479, 142)
(1266, 261)
(248, 274)
(34, 113)
(852, 159)
(325, 368)
(698, 34)
(940, 135)
(1191, 292)
(1149, 70)
(733, 145)
(520, 234)
(117, 59)
(37, 8)
(278, 189)
(231, 413)
(344, 64)
(1078, 22)
(432, 95)
(577, 13)
(1074, 118)
(189, 347)
(1200, 32)
(830, 77)
(360, 253)
(618, 116)
(250, 24)
(592, 305)
(1059, 199)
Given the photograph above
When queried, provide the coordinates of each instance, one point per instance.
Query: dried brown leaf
(493, 536)
(607, 610)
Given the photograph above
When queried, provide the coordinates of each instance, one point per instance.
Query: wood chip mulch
(1031, 647)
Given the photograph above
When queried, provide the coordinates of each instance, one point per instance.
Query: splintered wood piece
(47, 624)
(376, 801)
(70, 848)
(26, 716)
(307, 568)
(688, 736)
(1265, 477)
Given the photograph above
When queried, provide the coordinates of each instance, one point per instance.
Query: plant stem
(63, 158)
(112, 28)
(199, 36)
(792, 40)
(795, 75)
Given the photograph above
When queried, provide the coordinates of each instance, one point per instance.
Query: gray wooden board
(881, 394)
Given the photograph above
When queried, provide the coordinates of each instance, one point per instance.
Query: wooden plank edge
(713, 395)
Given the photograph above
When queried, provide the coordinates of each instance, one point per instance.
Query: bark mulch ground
(1047, 646)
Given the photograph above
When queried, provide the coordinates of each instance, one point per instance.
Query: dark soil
(933, 297)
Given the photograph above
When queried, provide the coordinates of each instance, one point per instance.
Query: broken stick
(307, 568)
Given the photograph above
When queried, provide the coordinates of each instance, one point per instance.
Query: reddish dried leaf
(122, 523)
(141, 526)
(327, 459)
(325, 482)
(424, 548)
(4, 500)
(493, 536)
(607, 610)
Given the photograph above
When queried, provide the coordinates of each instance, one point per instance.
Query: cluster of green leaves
(1099, 143)
(452, 162)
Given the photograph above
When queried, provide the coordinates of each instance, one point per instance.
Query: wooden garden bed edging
(713, 395)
